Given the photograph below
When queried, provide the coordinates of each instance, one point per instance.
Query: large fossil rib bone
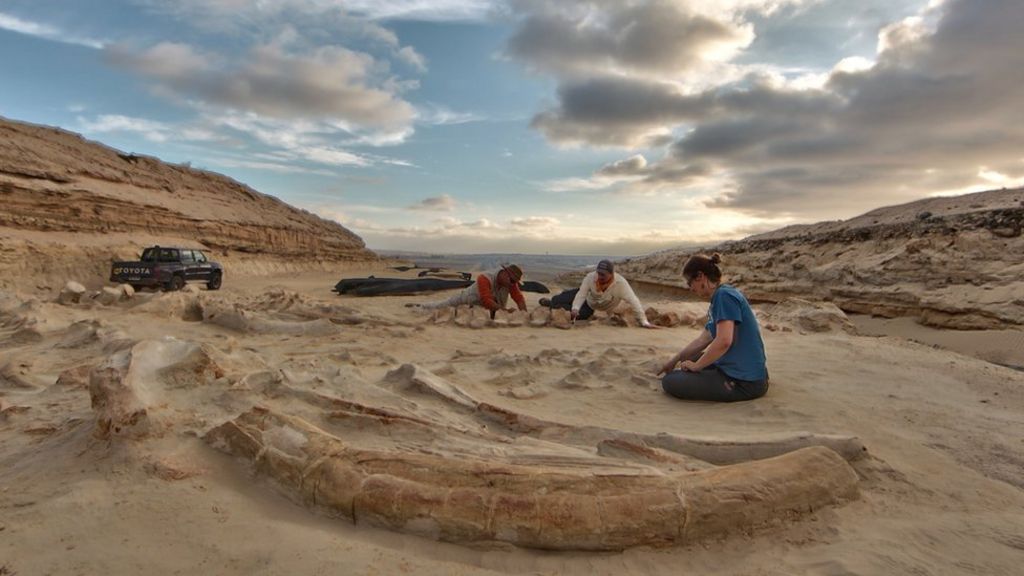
(476, 500)
(410, 378)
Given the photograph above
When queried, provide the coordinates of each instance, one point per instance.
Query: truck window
(149, 255)
(168, 255)
(186, 256)
(200, 257)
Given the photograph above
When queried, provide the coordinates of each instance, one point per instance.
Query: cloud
(329, 82)
(45, 31)
(151, 130)
(627, 170)
(293, 146)
(534, 222)
(938, 101)
(438, 115)
(293, 140)
(432, 11)
(628, 167)
(658, 37)
(410, 56)
(442, 203)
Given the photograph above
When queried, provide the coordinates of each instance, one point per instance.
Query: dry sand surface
(122, 448)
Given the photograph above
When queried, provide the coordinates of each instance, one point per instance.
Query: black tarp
(406, 286)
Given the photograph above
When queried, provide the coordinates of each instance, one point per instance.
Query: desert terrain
(275, 427)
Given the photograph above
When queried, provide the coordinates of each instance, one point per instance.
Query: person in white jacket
(602, 290)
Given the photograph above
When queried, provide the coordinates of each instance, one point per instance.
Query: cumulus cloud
(442, 203)
(939, 101)
(329, 82)
(655, 37)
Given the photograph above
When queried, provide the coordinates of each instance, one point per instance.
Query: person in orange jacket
(491, 290)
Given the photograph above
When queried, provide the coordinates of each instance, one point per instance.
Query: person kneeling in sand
(601, 289)
(491, 290)
(726, 363)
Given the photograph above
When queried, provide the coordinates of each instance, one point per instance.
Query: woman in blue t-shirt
(726, 363)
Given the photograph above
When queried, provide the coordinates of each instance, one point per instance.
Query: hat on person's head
(515, 273)
(607, 266)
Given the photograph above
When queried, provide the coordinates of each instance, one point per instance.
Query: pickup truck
(168, 268)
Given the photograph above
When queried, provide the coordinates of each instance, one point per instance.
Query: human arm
(517, 295)
(718, 347)
(691, 350)
(628, 295)
(581, 294)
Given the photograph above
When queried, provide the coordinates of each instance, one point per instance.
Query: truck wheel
(214, 283)
(176, 283)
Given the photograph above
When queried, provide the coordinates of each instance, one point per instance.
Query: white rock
(108, 296)
(71, 293)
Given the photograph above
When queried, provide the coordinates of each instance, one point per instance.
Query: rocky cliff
(69, 206)
(954, 262)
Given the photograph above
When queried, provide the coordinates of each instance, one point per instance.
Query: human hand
(670, 366)
(689, 366)
(573, 314)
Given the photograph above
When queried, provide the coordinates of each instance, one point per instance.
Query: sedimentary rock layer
(74, 191)
(954, 262)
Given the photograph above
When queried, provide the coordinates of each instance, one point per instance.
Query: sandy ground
(1004, 347)
(941, 492)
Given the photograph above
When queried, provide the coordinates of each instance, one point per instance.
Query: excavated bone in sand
(235, 318)
(482, 473)
(477, 500)
(410, 379)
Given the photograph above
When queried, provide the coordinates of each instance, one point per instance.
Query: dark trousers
(564, 301)
(711, 385)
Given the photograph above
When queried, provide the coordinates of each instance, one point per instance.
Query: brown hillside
(953, 262)
(68, 206)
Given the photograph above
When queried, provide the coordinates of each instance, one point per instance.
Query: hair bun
(716, 258)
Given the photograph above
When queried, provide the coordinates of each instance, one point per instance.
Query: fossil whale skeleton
(481, 473)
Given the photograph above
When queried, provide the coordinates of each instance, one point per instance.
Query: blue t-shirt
(745, 359)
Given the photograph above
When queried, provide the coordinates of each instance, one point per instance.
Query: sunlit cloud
(46, 31)
(940, 92)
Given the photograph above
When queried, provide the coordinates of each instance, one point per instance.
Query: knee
(671, 382)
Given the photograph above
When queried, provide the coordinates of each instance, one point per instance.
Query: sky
(598, 127)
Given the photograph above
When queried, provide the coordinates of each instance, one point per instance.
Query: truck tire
(214, 283)
(177, 283)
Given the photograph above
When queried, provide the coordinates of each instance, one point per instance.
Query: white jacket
(607, 301)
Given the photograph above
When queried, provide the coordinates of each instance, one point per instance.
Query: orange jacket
(483, 285)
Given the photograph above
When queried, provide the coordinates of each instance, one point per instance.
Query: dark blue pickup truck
(168, 268)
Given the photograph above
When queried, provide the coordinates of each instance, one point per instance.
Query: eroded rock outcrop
(55, 185)
(955, 262)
